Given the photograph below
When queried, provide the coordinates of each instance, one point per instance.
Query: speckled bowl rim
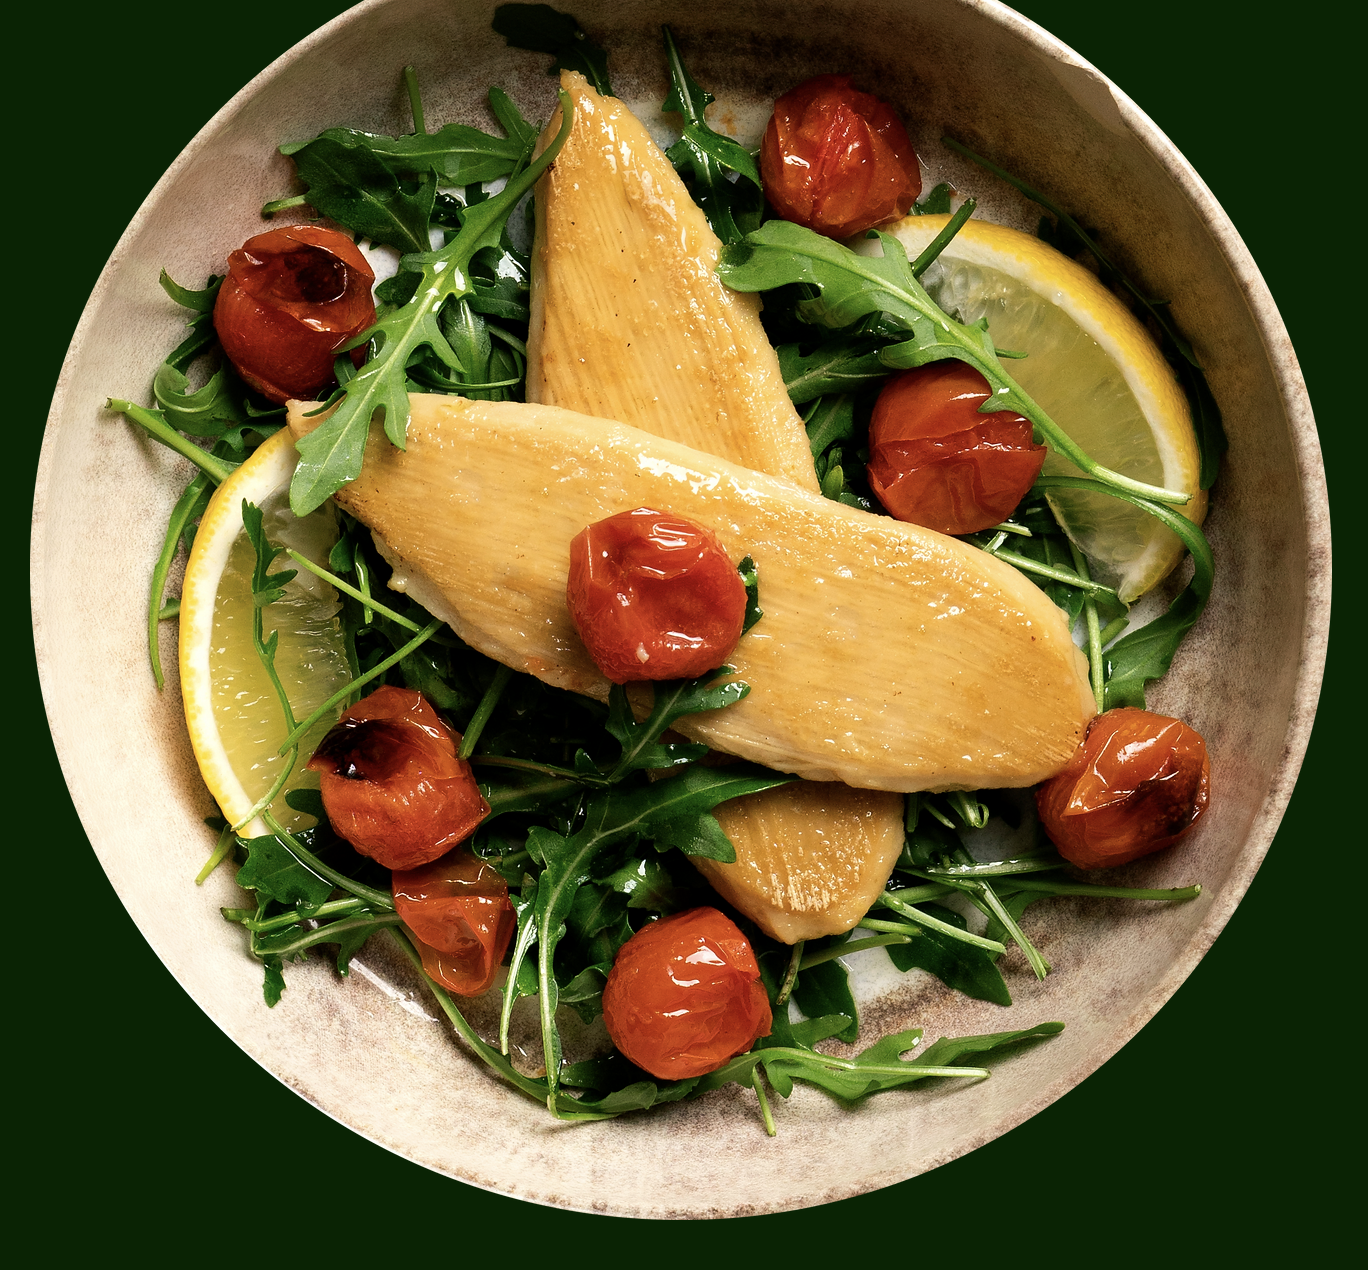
(1311, 482)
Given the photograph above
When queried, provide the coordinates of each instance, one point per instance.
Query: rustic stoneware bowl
(370, 1050)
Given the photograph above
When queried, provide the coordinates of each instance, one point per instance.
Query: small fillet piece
(810, 857)
(890, 656)
(629, 319)
(627, 272)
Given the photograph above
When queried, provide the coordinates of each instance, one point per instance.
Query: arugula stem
(302, 854)
(1008, 528)
(942, 240)
(330, 933)
(542, 769)
(1049, 887)
(765, 1114)
(937, 814)
(227, 838)
(169, 610)
(343, 693)
(284, 204)
(923, 919)
(347, 589)
(561, 1106)
(791, 975)
(283, 921)
(874, 1069)
(1054, 572)
(527, 935)
(999, 910)
(415, 101)
(969, 809)
(368, 606)
(502, 675)
(155, 426)
(189, 505)
(1112, 629)
(286, 771)
(855, 945)
(1043, 863)
(916, 894)
(1095, 666)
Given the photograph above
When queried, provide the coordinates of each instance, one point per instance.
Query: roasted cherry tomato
(392, 784)
(458, 910)
(654, 596)
(684, 995)
(291, 298)
(935, 461)
(1137, 784)
(837, 160)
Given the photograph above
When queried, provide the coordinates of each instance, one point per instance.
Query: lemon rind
(267, 471)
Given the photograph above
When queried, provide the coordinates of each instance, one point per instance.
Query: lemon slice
(231, 709)
(1094, 370)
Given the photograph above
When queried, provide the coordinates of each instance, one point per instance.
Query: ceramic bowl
(370, 1050)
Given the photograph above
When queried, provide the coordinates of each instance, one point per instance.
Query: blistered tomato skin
(1137, 784)
(684, 995)
(654, 596)
(837, 160)
(392, 783)
(934, 460)
(458, 910)
(291, 298)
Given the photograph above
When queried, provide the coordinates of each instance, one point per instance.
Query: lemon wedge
(231, 709)
(1094, 370)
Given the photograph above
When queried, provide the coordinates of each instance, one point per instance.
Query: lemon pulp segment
(232, 711)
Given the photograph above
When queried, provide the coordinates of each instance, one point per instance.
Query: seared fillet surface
(890, 657)
(810, 857)
(629, 319)
(631, 323)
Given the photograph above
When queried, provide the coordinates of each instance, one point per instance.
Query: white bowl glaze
(369, 1050)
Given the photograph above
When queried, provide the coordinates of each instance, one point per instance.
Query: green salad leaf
(331, 455)
(705, 158)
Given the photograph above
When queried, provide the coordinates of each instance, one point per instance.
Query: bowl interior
(371, 1050)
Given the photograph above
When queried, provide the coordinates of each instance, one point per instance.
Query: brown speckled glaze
(371, 1050)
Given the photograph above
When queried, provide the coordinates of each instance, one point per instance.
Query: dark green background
(138, 1125)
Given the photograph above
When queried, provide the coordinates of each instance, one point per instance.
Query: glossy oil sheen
(889, 656)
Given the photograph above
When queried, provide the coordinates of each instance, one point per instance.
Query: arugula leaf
(852, 287)
(750, 578)
(833, 367)
(569, 863)
(1147, 653)
(179, 527)
(964, 967)
(456, 154)
(274, 986)
(542, 29)
(331, 455)
(275, 874)
(936, 203)
(347, 180)
(703, 157)
(671, 699)
(950, 1049)
(647, 884)
(823, 990)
